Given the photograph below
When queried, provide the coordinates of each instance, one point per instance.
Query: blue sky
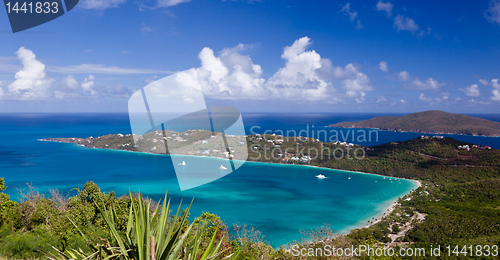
(258, 56)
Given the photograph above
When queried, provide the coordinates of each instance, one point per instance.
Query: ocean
(278, 200)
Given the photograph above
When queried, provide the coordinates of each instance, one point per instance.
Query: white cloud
(305, 76)
(88, 85)
(231, 75)
(404, 76)
(496, 95)
(496, 90)
(495, 84)
(70, 82)
(353, 15)
(405, 24)
(31, 81)
(483, 81)
(100, 4)
(386, 7)
(383, 66)
(402, 101)
(64, 95)
(1, 90)
(168, 3)
(471, 91)
(493, 12)
(103, 69)
(381, 99)
(358, 85)
(346, 9)
(424, 98)
(428, 84)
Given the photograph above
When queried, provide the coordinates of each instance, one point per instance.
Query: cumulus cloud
(496, 90)
(88, 84)
(381, 99)
(168, 3)
(403, 76)
(428, 84)
(31, 81)
(230, 75)
(424, 98)
(100, 4)
(445, 95)
(483, 81)
(386, 7)
(64, 95)
(493, 12)
(358, 85)
(383, 66)
(494, 83)
(496, 95)
(405, 24)
(402, 101)
(471, 91)
(1, 90)
(70, 82)
(353, 15)
(305, 76)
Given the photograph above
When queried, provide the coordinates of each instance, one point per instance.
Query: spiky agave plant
(152, 236)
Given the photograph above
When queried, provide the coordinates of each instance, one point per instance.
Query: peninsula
(433, 121)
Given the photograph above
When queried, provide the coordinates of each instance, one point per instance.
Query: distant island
(433, 121)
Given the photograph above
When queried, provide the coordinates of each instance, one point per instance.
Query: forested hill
(432, 121)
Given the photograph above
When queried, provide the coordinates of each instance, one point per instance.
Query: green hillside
(432, 121)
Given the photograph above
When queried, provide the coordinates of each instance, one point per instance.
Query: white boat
(183, 163)
(349, 178)
(222, 167)
(321, 176)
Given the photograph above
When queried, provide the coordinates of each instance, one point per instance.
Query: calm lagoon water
(279, 200)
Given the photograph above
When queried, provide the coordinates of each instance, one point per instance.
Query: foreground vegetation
(458, 204)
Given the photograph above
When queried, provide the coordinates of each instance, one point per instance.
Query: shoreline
(386, 210)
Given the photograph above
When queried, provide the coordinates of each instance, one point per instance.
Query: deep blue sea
(278, 200)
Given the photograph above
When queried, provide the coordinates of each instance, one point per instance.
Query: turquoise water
(278, 200)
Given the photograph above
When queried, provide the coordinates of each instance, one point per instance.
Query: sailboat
(222, 167)
(321, 176)
(349, 178)
(183, 163)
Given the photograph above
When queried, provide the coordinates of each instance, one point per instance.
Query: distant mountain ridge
(433, 121)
